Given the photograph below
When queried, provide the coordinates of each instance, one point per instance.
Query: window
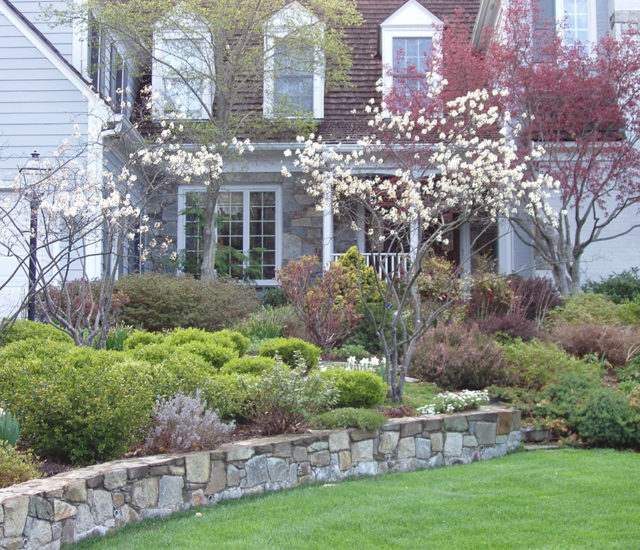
(410, 59)
(182, 75)
(406, 40)
(248, 229)
(293, 80)
(293, 72)
(577, 22)
(107, 68)
(579, 18)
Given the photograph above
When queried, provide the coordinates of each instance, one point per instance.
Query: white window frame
(246, 189)
(591, 20)
(280, 25)
(412, 20)
(158, 75)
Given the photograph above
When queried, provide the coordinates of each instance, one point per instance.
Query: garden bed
(92, 501)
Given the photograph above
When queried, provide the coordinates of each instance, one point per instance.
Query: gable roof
(44, 45)
(339, 122)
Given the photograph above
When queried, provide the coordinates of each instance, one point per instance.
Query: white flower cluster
(369, 364)
(449, 402)
(458, 159)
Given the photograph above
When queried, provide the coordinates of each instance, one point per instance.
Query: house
(54, 78)
(49, 93)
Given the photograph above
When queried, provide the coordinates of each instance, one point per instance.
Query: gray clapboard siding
(59, 35)
(39, 106)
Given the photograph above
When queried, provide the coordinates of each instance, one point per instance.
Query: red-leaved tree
(582, 103)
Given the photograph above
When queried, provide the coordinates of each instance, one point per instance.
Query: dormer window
(182, 74)
(293, 70)
(410, 60)
(293, 80)
(406, 45)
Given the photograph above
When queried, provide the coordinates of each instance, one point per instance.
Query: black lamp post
(32, 172)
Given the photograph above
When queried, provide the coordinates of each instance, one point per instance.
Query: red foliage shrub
(328, 307)
(513, 325)
(457, 357)
(615, 343)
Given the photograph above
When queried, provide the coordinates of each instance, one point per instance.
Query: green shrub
(535, 364)
(181, 336)
(351, 350)
(16, 466)
(634, 397)
(286, 349)
(75, 414)
(562, 398)
(283, 400)
(227, 394)
(362, 419)
(606, 419)
(141, 338)
(153, 353)
(587, 308)
(237, 339)
(158, 302)
(357, 389)
(24, 330)
(41, 349)
(271, 322)
(117, 337)
(9, 428)
(248, 365)
(274, 297)
(619, 287)
(213, 354)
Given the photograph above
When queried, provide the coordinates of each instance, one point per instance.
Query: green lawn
(542, 499)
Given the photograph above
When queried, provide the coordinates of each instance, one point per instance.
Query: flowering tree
(212, 57)
(88, 225)
(446, 163)
(582, 102)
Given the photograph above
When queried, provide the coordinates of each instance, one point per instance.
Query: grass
(542, 499)
(418, 394)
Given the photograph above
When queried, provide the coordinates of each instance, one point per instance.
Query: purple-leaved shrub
(457, 357)
(183, 423)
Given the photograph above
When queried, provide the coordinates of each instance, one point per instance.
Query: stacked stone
(92, 501)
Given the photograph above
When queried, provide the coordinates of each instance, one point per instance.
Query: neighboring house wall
(39, 108)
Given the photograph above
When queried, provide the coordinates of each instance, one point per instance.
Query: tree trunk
(209, 243)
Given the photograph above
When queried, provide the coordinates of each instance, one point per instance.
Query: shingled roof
(339, 122)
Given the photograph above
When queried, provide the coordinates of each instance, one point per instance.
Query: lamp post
(32, 173)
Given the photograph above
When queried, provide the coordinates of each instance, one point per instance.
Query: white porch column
(465, 246)
(505, 247)
(327, 231)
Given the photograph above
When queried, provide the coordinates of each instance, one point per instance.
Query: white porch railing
(384, 262)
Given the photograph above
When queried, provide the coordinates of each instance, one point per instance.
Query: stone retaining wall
(91, 501)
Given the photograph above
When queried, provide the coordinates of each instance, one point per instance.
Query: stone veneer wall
(91, 501)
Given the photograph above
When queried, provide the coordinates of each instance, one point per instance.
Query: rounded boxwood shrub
(239, 341)
(24, 330)
(214, 354)
(141, 338)
(286, 349)
(362, 419)
(181, 336)
(606, 419)
(357, 388)
(248, 365)
(78, 415)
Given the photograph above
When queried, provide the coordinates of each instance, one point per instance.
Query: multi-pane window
(577, 21)
(246, 231)
(410, 60)
(293, 79)
(182, 82)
